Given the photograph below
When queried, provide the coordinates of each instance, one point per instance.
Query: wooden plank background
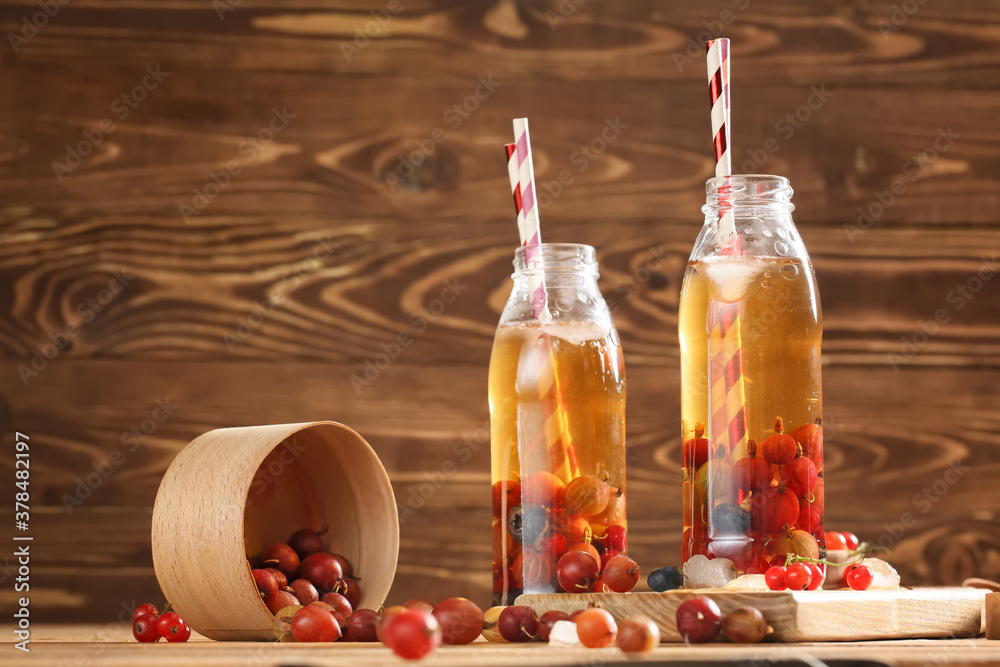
(378, 194)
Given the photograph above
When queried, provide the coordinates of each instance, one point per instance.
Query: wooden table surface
(89, 645)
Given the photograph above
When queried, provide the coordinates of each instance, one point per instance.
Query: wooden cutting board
(804, 616)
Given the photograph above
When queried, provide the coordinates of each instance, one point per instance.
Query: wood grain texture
(803, 616)
(111, 645)
(354, 223)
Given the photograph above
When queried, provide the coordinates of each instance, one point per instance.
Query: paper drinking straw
(529, 224)
(557, 439)
(728, 399)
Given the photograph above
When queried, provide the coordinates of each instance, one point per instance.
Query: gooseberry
(621, 574)
(596, 628)
(699, 620)
(638, 634)
(577, 571)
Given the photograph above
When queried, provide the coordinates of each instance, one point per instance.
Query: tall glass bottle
(751, 396)
(557, 418)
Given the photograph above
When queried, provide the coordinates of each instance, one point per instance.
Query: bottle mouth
(555, 258)
(745, 190)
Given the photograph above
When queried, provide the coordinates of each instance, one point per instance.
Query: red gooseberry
(577, 571)
(596, 628)
(323, 570)
(699, 620)
(307, 541)
(779, 448)
(774, 508)
(800, 474)
(461, 620)
(518, 623)
(638, 634)
(506, 492)
(587, 495)
(549, 619)
(621, 574)
(543, 488)
(695, 450)
(361, 626)
(413, 634)
(281, 556)
(752, 473)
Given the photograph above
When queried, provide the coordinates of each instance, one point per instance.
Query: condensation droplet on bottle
(781, 248)
(766, 232)
(767, 274)
(789, 271)
(782, 232)
(765, 284)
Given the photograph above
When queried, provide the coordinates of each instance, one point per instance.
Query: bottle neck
(547, 259)
(749, 215)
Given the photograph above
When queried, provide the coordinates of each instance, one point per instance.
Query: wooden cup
(233, 491)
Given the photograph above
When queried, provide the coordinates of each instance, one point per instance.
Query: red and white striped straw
(519, 167)
(718, 90)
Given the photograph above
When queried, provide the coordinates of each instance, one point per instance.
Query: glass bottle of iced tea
(557, 418)
(751, 398)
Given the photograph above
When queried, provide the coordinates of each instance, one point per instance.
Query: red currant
(169, 625)
(182, 635)
(817, 576)
(145, 610)
(835, 541)
(144, 629)
(699, 620)
(616, 538)
(775, 578)
(851, 540)
(859, 577)
(798, 576)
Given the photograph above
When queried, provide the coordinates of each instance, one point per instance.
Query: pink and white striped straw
(718, 90)
(522, 182)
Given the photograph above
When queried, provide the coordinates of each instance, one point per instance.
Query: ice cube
(564, 634)
(701, 572)
(730, 277)
(748, 582)
(534, 367)
(884, 576)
